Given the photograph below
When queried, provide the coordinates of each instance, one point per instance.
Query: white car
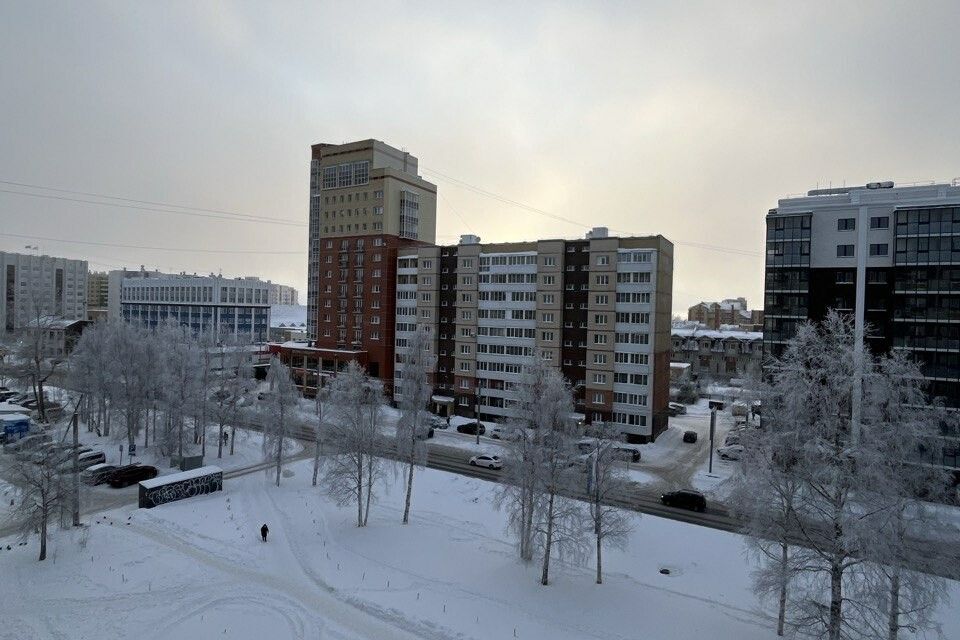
(486, 460)
(730, 452)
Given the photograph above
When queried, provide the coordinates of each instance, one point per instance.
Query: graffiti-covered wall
(178, 486)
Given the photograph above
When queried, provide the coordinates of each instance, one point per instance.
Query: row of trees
(166, 385)
(836, 509)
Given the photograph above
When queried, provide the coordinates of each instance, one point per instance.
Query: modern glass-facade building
(890, 256)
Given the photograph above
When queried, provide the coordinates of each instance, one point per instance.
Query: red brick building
(366, 202)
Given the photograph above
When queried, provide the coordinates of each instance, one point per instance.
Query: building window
(880, 249)
(880, 222)
(603, 260)
(598, 398)
(844, 250)
(549, 261)
(846, 224)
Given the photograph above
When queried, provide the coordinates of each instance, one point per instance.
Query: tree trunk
(279, 457)
(893, 620)
(782, 607)
(406, 506)
(43, 531)
(545, 576)
(233, 437)
(366, 511)
(76, 470)
(360, 490)
(836, 602)
(599, 556)
(526, 544)
(220, 442)
(316, 443)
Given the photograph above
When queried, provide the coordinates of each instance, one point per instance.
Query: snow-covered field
(197, 569)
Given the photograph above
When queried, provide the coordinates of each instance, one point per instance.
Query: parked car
(84, 460)
(439, 423)
(689, 436)
(98, 473)
(486, 460)
(676, 408)
(424, 433)
(6, 394)
(57, 453)
(625, 452)
(685, 499)
(471, 428)
(730, 452)
(132, 474)
(731, 439)
(24, 447)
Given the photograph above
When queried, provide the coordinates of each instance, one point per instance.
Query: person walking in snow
(264, 530)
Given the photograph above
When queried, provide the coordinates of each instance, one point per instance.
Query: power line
(150, 202)
(196, 214)
(147, 248)
(521, 205)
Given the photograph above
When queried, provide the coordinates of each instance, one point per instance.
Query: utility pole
(75, 421)
(713, 430)
(476, 411)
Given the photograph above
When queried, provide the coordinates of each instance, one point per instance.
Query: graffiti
(181, 489)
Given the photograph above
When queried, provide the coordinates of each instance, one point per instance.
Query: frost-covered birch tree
(607, 479)
(353, 469)
(42, 493)
(538, 470)
(900, 588)
(415, 392)
(279, 413)
(837, 503)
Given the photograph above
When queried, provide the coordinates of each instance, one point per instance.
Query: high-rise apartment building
(366, 202)
(45, 286)
(282, 294)
(599, 309)
(225, 306)
(888, 255)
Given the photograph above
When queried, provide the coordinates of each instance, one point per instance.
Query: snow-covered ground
(197, 569)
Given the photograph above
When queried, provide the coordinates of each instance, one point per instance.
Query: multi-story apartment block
(731, 311)
(282, 294)
(41, 286)
(226, 306)
(366, 202)
(98, 287)
(598, 309)
(888, 255)
(715, 354)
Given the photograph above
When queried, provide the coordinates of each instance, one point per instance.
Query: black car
(126, 476)
(471, 428)
(424, 433)
(685, 499)
(689, 436)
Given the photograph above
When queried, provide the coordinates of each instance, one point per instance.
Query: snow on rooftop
(713, 334)
(199, 472)
(288, 315)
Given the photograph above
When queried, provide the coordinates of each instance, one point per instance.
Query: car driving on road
(685, 499)
(126, 476)
(486, 460)
(470, 428)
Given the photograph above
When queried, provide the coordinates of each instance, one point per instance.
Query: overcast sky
(678, 118)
